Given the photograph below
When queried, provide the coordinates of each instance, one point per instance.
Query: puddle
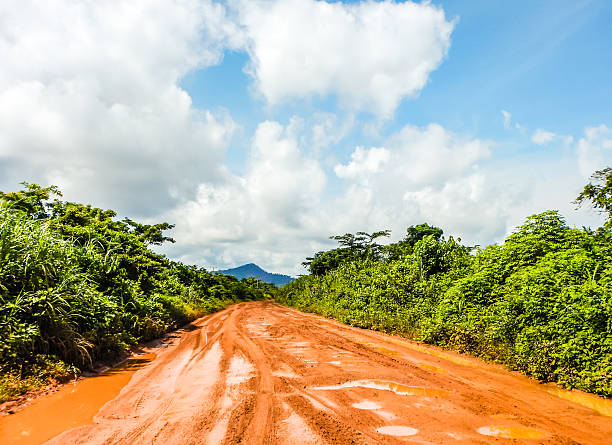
(601, 405)
(434, 352)
(240, 370)
(395, 387)
(511, 432)
(386, 415)
(299, 344)
(384, 350)
(366, 405)
(376, 347)
(401, 431)
(73, 405)
(432, 367)
(318, 405)
(296, 430)
(261, 323)
(345, 363)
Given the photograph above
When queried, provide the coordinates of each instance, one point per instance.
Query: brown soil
(260, 373)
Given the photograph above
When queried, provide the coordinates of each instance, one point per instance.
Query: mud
(259, 373)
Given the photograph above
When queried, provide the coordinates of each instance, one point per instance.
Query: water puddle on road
(394, 387)
(399, 431)
(599, 404)
(367, 405)
(73, 405)
(384, 350)
(511, 432)
(431, 367)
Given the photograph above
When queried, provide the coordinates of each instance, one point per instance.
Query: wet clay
(72, 405)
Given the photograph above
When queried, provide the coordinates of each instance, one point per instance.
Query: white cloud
(363, 162)
(507, 119)
(89, 99)
(370, 54)
(281, 210)
(421, 174)
(328, 129)
(595, 150)
(269, 215)
(541, 137)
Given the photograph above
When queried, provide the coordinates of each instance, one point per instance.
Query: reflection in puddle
(599, 404)
(385, 414)
(395, 387)
(453, 358)
(376, 347)
(366, 405)
(431, 367)
(401, 431)
(511, 432)
(71, 406)
(384, 350)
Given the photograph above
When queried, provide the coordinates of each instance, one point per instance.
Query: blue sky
(261, 128)
(545, 61)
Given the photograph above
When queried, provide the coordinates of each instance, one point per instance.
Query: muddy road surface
(260, 373)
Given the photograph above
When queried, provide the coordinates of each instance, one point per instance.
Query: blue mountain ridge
(253, 270)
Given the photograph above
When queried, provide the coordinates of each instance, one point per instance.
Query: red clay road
(260, 373)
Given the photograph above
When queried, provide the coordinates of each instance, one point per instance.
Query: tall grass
(78, 287)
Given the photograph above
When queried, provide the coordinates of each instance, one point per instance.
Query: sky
(260, 128)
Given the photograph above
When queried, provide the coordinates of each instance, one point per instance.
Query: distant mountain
(253, 270)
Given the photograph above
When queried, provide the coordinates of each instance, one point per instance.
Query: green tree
(353, 247)
(32, 200)
(599, 193)
(414, 234)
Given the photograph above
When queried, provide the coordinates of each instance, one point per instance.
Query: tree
(414, 234)
(353, 247)
(32, 200)
(599, 193)
(417, 233)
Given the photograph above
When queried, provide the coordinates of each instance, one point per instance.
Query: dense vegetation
(541, 302)
(78, 286)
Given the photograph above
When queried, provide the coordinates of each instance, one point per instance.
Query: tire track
(259, 373)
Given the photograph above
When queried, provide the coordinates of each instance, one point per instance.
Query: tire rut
(260, 373)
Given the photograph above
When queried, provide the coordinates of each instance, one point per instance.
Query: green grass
(78, 287)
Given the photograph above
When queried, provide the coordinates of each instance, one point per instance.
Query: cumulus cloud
(370, 54)
(542, 137)
(328, 129)
(89, 99)
(595, 150)
(281, 209)
(269, 213)
(421, 174)
(363, 162)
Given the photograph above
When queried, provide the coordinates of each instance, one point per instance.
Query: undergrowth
(540, 303)
(78, 287)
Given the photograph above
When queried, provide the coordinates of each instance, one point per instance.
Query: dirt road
(259, 373)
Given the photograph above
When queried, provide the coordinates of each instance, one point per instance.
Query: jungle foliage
(78, 286)
(540, 303)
